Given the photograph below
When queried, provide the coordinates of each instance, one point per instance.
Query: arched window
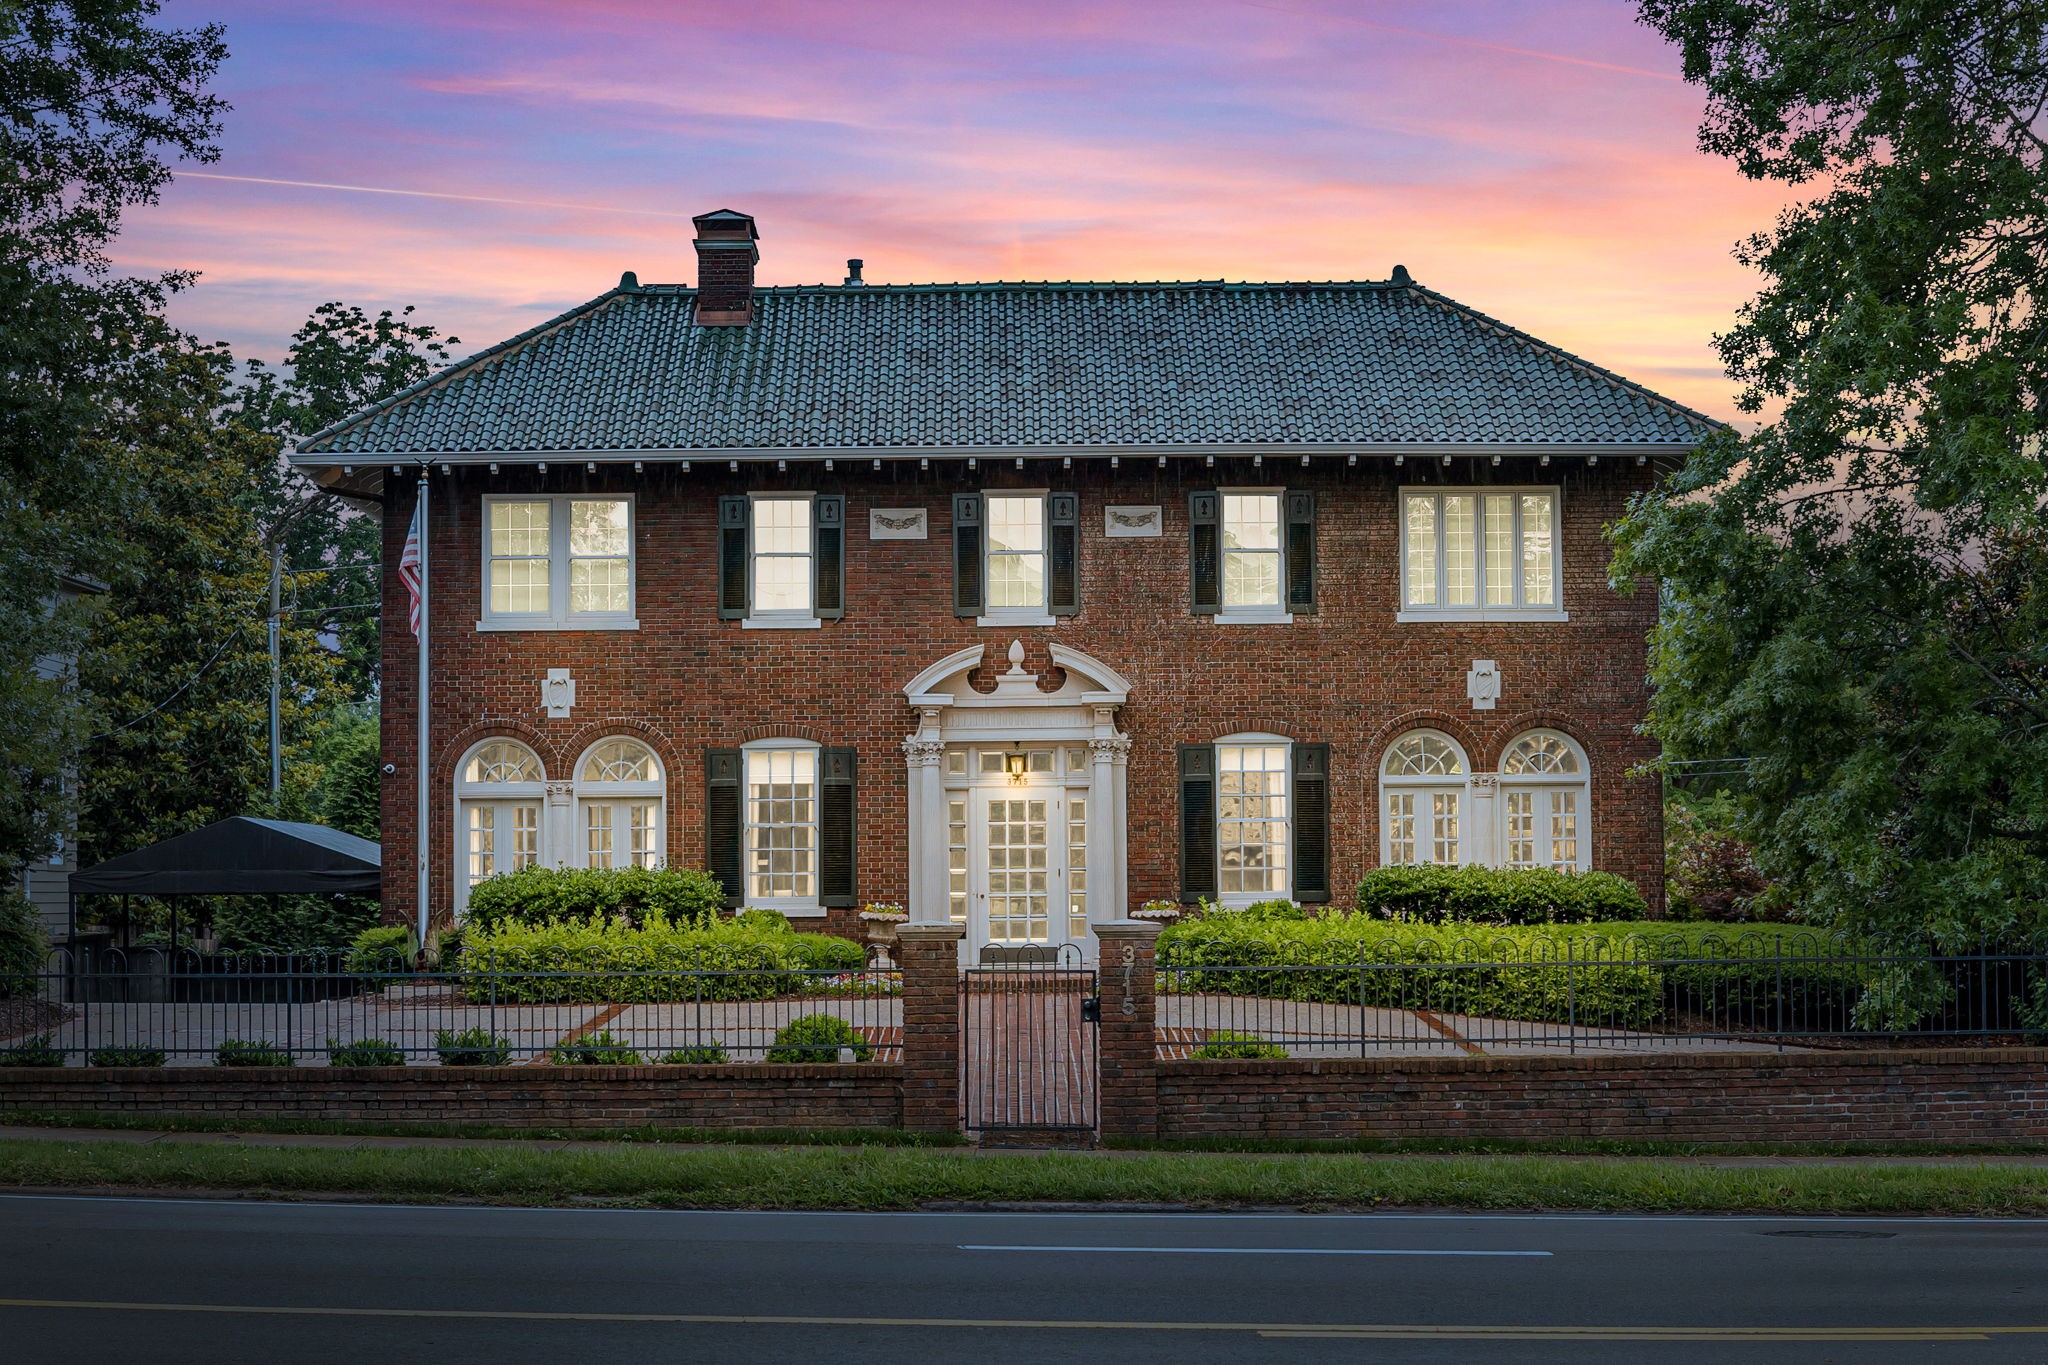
(1543, 797)
(619, 804)
(498, 792)
(1422, 785)
(1253, 828)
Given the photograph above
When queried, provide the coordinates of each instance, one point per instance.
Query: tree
(1857, 588)
(94, 102)
(341, 361)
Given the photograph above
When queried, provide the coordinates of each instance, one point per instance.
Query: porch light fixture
(1014, 764)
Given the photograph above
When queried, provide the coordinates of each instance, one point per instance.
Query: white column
(1482, 821)
(1120, 827)
(1102, 850)
(927, 850)
(558, 835)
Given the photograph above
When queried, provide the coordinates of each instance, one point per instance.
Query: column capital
(1111, 748)
(923, 753)
(1485, 784)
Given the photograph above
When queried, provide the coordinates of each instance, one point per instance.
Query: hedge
(536, 895)
(753, 957)
(1435, 894)
(1628, 974)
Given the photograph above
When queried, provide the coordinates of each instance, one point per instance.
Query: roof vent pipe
(853, 265)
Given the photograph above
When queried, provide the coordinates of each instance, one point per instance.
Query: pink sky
(1534, 160)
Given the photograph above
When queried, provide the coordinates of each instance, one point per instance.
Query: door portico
(1017, 801)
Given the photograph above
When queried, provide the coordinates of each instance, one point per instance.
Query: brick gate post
(930, 958)
(1130, 1033)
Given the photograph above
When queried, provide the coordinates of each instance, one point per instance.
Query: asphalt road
(84, 1279)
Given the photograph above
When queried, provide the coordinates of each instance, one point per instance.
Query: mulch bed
(18, 1017)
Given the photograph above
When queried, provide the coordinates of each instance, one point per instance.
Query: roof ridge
(451, 371)
(871, 287)
(1576, 361)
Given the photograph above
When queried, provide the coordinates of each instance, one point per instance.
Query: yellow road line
(1361, 1331)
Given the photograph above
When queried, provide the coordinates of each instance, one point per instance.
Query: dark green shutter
(732, 557)
(1301, 550)
(836, 827)
(1197, 822)
(1312, 823)
(724, 826)
(828, 557)
(1063, 554)
(967, 575)
(1205, 554)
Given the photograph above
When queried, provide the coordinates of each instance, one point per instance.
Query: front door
(1021, 893)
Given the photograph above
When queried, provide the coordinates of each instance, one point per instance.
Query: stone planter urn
(881, 919)
(1157, 912)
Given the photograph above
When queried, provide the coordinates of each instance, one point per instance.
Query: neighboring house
(47, 879)
(1021, 603)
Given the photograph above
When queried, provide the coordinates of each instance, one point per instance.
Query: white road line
(1260, 1251)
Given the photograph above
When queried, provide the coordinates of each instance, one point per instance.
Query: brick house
(1018, 603)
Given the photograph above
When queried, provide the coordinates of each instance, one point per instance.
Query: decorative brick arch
(1422, 719)
(1505, 732)
(580, 740)
(782, 731)
(553, 766)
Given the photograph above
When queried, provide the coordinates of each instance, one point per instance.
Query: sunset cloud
(495, 163)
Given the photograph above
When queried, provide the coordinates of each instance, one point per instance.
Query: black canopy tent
(239, 856)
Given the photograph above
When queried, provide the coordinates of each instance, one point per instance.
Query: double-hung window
(782, 826)
(1480, 554)
(1252, 825)
(558, 563)
(782, 559)
(1251, 554)
(1016, 554)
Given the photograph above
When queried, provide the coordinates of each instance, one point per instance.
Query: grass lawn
(907, 1178)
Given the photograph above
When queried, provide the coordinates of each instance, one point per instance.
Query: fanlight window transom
(502, 761)
(1540, 755)
(620, 760)
(1424, 755)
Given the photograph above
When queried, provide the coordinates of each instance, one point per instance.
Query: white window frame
(501, 796)
(1237, 900)
(757, 619)
(558, 616)
(591, 792)
(1424, 787)
(1478, 610)
(1545, 787)
(1276, 614)
(1040, 615)
(793, 906)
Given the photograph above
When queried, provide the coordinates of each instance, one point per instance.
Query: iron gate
(1028, 1044)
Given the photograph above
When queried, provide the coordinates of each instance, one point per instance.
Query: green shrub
(1224, 1045)
(663, 960)
(34, 1050)
(1629, 974)
(818, 1038)
(472, 1047)
(703, 1054)
(597, 1049)
(386, 948)
(364, 1052)
(536, 895)
(125, 1056)
(1436, 894)
(23, 945)
(768, 921)
(242, 1052)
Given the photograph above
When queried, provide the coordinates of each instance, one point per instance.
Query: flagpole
(422, 823)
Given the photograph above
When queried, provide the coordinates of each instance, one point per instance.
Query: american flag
(409, 565)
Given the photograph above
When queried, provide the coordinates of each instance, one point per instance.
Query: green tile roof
(1013, 366)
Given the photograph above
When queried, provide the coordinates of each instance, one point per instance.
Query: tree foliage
(95, 101)
(1856, 589)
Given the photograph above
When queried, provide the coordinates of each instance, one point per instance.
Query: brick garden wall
(1961, 1096)
(1348, 675)
(858, 1095)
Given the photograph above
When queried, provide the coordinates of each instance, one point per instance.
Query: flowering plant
(884, 910)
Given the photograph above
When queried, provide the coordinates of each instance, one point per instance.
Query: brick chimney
(725, 268)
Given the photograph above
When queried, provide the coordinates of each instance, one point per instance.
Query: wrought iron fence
(142, 1007)
(1566, 996)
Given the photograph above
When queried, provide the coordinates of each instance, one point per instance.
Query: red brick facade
(1348, 675)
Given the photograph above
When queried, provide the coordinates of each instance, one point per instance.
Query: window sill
(576, 623)
(1497, 616)
(1247, 899)
(780, 623)
(1017, 618)
(792, 911)
(1254, 617)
